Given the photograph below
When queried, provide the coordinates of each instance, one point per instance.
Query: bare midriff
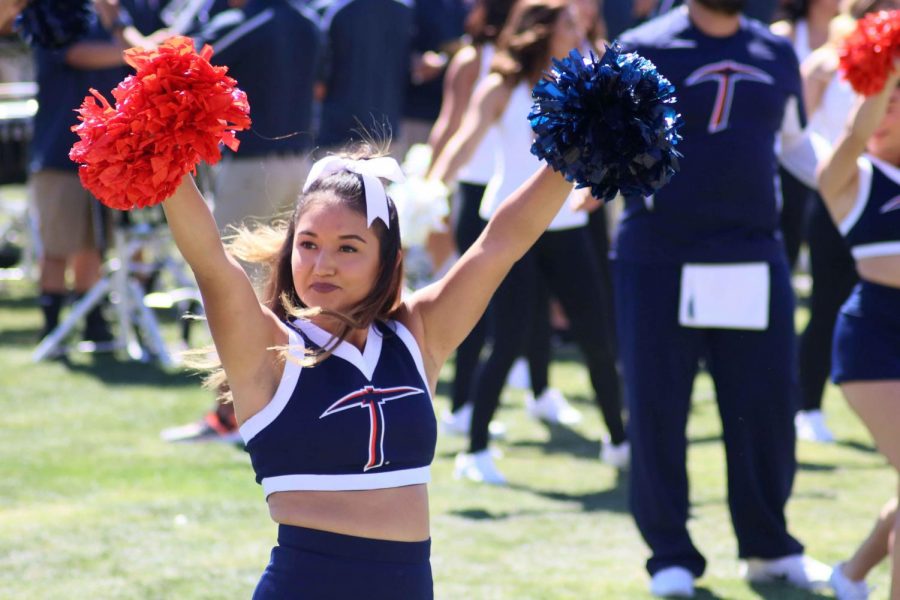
(399, 514)
(883, 270)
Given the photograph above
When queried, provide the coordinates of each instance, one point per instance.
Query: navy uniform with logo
(867, 332)
(355, 421)
(701, 274)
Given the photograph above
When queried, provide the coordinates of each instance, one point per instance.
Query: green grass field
(93, 505)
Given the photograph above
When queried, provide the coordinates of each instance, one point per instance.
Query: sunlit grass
(93, 505)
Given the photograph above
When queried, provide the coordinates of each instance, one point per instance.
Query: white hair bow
(372, 171)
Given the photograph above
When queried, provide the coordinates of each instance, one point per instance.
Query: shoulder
(466, 58)
(783, 29)
(221, 25)
(303, 10)
(761, 33)
(822, 64)
(658, 32)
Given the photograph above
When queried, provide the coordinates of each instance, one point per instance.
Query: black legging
(834, 275)
(561, 262)
(469, 226)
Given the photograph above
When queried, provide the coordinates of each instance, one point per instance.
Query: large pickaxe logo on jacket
(372, 399)
(725, 74)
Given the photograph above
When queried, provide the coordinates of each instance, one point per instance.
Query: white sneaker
(552, 406)
(519, 377)
(798, 570)
(672, 582)
(845, 588)
(478, 467)
(460, 422)
(811, 427)
(457, 423)
(617, 456)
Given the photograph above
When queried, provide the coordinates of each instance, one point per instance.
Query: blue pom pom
(54, 23)
(609, 124)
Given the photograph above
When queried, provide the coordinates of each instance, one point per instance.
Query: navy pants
(309, 564)
(754, 375)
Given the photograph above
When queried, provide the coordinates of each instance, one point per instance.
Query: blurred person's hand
(427, 66)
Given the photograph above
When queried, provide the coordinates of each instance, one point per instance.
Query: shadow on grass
(614, 499)
(783, 592)
(22, 338)
(115, 371)
(701, 593)
(563, 440)
(854, 445)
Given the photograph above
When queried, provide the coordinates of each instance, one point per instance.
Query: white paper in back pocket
(726, 296)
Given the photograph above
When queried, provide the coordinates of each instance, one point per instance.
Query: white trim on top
(366, 361)
(286, 386)
(876, 249)
(349, 482)
(864, 165)
(412, 345)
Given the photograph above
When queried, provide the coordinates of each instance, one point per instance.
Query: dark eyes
(308, 245)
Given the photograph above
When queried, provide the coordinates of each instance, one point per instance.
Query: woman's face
(336, 256)
(566, 34)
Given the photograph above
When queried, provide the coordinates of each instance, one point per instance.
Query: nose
(324, 264)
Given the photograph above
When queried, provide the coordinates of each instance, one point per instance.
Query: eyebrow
(348, 236)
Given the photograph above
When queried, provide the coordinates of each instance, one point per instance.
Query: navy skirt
(311, 564)
(867, 335)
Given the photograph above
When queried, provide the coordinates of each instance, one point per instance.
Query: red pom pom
(867, 54)
(173, 113)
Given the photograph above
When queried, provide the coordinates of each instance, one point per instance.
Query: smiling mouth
(323, 288)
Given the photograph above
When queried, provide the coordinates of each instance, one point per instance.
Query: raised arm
(838, 175)
(243, 330)
(462, 74)
(488, 103)
(443, 313)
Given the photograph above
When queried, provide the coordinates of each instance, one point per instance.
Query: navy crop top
(872, 228)
(356, 421)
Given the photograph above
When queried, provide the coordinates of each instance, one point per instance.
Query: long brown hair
(272, 246)
(523, 47)
(486, 20)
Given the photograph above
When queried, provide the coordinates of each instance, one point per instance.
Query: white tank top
(830, 118)
(516, 163)
(480, 167)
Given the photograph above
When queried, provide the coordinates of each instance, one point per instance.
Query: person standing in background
(364, 69)
(73, 227)
(714, 229)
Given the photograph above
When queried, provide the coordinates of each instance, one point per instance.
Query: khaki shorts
(66, 213)
(257, 188)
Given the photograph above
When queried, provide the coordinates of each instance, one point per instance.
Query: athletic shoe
(519, 376)
(460, 422)
(672, 582)
(209, 429)
(551, 406)
(797, 569)
(478, 467)
(811, 427)
(845, 588)
(457, 423)
(617, 456)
